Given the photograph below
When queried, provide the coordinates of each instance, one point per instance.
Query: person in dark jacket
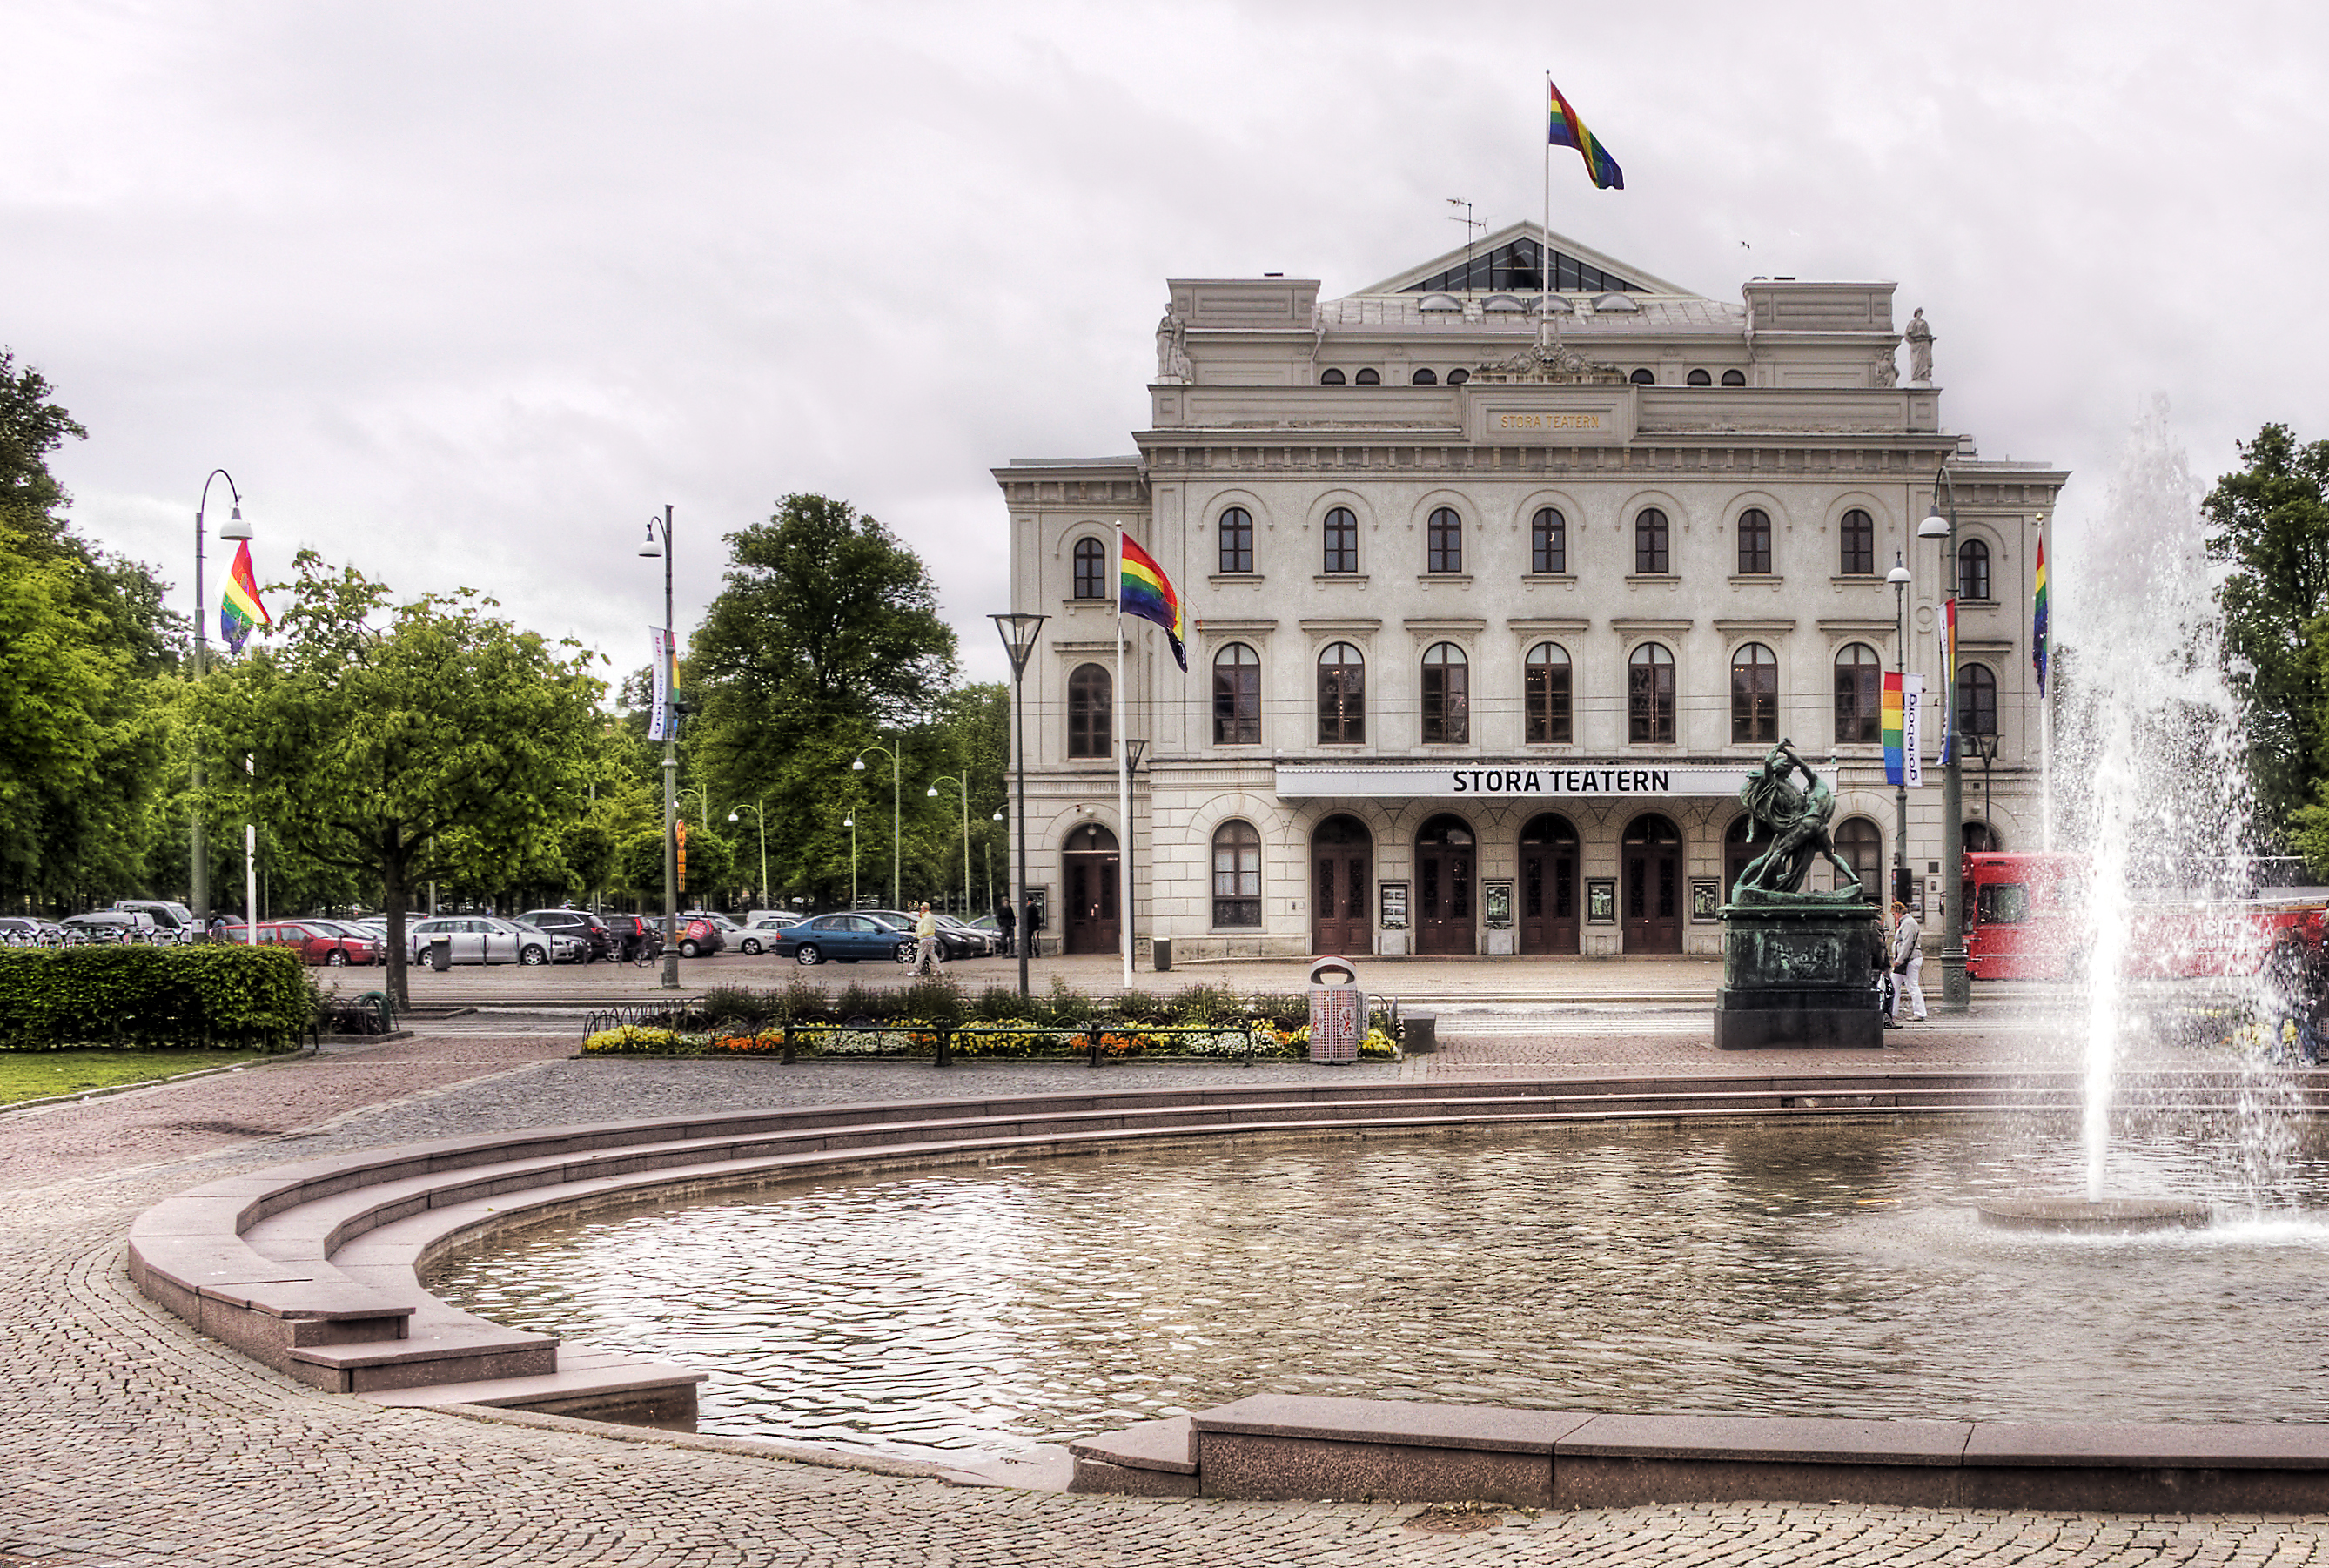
(1004, 922)
(1033, 928)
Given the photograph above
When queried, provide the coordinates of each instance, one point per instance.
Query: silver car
(489, 939)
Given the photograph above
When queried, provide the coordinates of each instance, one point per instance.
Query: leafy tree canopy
(446, 743)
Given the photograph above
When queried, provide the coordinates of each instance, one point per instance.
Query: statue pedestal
(1798, 976)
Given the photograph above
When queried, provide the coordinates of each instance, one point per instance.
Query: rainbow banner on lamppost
(1903, 696)
(239, 606)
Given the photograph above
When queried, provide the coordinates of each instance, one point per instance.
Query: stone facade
(1791, 468)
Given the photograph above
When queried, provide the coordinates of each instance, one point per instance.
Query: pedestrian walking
(1005, 921)
(218, 928)
(1032, 928)
(1907, 962)
(927, 953)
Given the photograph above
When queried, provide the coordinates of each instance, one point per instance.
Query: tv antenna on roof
(1471, 225)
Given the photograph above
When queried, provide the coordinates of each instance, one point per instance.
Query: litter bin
(441, 953)
(1338, 1011)
(1160, 954)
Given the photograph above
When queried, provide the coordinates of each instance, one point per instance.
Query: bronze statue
(1795, 817)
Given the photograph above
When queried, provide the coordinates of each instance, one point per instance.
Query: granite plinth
(2105, 1216)
(1799, 976)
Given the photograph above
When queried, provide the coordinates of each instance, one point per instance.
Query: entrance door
(1341, 860)
(1090, 921)
(1549, 885)
(1445, 858)
(1653, 892)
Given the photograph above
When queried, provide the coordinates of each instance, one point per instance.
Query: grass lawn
(32, 1075)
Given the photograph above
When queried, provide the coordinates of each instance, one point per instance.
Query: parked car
(956, 939)
(634, 934)
(319, 942)
(174, 920)
(774, 917)
(110, 926)
(845, 939)
(29, 931)
(598, 940)
(489, 939)
(701, 937)
(764, 929)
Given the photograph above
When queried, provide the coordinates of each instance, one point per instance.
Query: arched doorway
(1737, 854)
(1088, 920)
(1652, 893)
(1341, 858)
(1444, 860)
(1980, 839)
(1549, 885)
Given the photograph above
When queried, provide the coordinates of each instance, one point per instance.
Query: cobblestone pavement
(126, 1439)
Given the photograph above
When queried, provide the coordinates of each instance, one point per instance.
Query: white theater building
(1491, 606)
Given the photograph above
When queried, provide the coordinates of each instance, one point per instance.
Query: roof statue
(1173, 367)
(1920, 349)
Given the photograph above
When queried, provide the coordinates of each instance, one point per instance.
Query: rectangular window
(1237, 540)
(1859, 555)
(1237, 704)
(1342, 541)
(1650, 704)
(1342, 704)
(1650, 544)
(1754, 544)
(1858, 714)
(1445, 538)
(1548, 705)
(1549, 543)
(1754, 703)
(1447, 705)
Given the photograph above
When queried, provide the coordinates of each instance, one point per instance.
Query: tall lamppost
(670, 759)
(963, 786)
(1956, 992)
(760, 815)
(897, 815)
(850, 821)
(1899, 578)
(198, 891)
(1134, 750)
(1019, 631)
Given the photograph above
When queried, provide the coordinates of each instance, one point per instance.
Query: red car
(319, 944)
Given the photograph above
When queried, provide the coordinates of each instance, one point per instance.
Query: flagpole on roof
(1544, 242)
(1123, 776)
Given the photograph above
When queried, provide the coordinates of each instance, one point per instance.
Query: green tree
(446, 743)
(2270, 525)
(825, 639)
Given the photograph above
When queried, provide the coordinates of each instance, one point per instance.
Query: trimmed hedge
(211, 994)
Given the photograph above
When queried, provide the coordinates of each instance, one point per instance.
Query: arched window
(1548, 541)
(1423, 378)
(1444, 537)
(1754, 696)
(1091, 569)
(1701, 379)
(1447, 696)
(1859, 696)
(1976, 699)
(1237, 696)
(1088, 711)
(1650, 541)
(1734, 378)
(1973, 569)
(1367, 377)
(1547, 695)
(1457, 378)
(1858, 558)
(1330, 377)
(1341, 540)
(1237, 875)
(1342, 696)
(1645, 378)
(1980, 839)
(1754, 542)
(1650, 696)
(1237, 540)
(1862, 846)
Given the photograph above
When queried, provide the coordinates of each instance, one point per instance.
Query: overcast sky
(462, 292)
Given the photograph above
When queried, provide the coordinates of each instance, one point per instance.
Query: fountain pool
(1778, 1269)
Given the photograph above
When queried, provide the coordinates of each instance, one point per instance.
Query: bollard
(1160, 954)
(946, 1045)
(1421, 1031)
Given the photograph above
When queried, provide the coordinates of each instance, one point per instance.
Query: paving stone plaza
(131, 1440)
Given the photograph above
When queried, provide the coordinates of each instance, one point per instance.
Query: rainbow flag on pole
(1143, 590)
(239, 606)
(1904, 763)
(1564, 129)
(2037, 621)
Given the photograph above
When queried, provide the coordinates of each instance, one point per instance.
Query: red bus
(2025, 919)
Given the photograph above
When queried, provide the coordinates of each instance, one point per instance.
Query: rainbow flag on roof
(239, 606)
(2037, 621)
(1564, 129)
(1143, 590)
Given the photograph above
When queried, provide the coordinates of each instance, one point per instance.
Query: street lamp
(963, 786)
(198, 890)
(850, 821)
(650, 550)
(1899, 578)
(1957, 993)
(896, 815)
(760, 815)
(1134, 750)
(1019, 631)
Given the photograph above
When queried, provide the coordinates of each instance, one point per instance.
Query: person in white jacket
(1907, 960)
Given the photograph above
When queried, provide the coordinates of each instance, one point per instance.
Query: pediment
(1506, 261)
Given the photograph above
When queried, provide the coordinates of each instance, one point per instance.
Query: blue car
(845, 939)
